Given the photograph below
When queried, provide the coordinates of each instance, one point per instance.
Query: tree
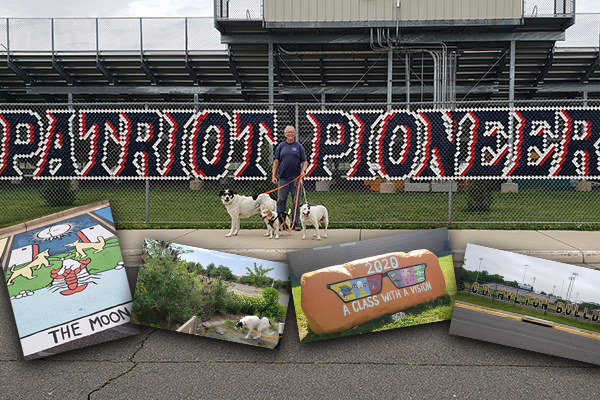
(245, 280)
(542, 292)
(211, 270)
(164, 287)
(194, 267)
(161, 251)
(225, 273)
(259, 275)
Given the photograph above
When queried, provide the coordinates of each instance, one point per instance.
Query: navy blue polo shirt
(290, 156)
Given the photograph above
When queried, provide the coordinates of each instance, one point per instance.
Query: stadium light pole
(534, 278)
(572, 277)
(477, 277)
(554, 290)
(525, 273)
(576, 296)
(569, 289)
(277, 270)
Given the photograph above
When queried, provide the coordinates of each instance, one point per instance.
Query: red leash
(297, 199)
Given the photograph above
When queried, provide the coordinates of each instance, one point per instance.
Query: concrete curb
(133, 256)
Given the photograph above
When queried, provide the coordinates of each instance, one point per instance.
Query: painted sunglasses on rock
(359, 288)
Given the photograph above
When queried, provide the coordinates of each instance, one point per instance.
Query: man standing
(290, 160)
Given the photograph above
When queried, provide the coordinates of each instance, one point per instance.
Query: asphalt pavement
(510, 332)
(417, 362)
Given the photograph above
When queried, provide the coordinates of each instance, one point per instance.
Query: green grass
(181, 207)
(437, 310)
(504, 305)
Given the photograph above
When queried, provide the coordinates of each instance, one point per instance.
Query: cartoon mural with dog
(66, 280)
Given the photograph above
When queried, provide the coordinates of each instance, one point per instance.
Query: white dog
(257, 325)
(313, 215)
(243, 207)
(275, 222)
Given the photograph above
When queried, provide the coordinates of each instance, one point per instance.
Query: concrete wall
(387, 10)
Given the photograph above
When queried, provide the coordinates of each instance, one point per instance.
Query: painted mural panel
(469, 143)
(66, 281)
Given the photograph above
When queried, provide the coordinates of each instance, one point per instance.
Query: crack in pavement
(558, 240)
(130, 359)
(407, 363)
(182, 235)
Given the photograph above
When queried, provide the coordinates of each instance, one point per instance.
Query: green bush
(278, 313)
(271, 297)
(480, 195)
(220, 298)
(251, 304)
(58, 193)
(166, 293)
(234, 307)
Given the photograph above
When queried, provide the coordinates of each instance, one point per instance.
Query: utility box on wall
(378, 13)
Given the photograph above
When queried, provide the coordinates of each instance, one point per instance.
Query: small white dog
(313, 215)
(256, 324)
(243, 207)
(275, 222)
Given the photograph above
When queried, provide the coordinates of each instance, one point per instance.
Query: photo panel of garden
(211, 293)
(529, 303)
(373, 285)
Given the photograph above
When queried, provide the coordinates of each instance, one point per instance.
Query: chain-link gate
(369, 202)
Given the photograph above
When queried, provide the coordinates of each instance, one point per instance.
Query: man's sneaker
(297, 228)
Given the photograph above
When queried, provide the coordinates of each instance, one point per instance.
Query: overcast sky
(105, 8)
(152, 8)
(547, 273)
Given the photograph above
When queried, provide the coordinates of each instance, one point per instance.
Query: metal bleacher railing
(108, 35)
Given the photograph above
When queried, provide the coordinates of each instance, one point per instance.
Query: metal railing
(239, 10)
(253, 9)
(108, 34)
(545, 8)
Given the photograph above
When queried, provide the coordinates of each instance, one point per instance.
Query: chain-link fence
(191, 200)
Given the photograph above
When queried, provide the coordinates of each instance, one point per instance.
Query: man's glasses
(359, 288)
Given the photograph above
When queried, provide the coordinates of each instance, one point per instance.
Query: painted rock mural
(342, 296)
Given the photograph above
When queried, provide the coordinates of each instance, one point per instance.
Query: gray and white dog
(258, 325)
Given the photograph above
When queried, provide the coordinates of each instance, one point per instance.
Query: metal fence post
(450, 202)
(147, 190)
(297, 122)
(147, 200)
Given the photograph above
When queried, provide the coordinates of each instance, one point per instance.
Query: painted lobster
(69, 274)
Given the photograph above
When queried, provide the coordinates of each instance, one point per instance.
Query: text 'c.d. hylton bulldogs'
(342, 296)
